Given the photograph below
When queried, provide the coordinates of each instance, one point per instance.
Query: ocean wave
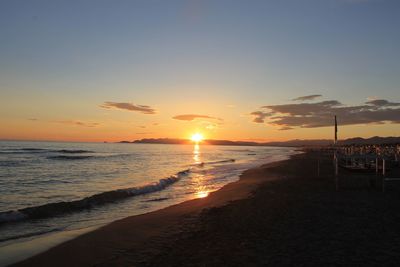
(41, 151)
(33, 149)
(157, 199)
(23, 151)
(72, 151)
(78, 157)
(201, 164)
(240, 150)
(59, 208)
(10, 163)
(11, 216)
(30, 234)
(64, 157)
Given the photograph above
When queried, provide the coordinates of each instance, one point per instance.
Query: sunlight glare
(197, 137)
(202, 194)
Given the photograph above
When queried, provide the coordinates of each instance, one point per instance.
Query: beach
(278, 214)
(53, 191)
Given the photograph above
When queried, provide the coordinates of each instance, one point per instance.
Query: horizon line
(184, 139)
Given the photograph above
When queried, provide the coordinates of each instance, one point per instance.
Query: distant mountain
(162, 141)
(185, 141)
(299, 143)
(376, 140)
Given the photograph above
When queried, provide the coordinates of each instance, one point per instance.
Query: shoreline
(20, 251)
(279, 214)
(230, 192)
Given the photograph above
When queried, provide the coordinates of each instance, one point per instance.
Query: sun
(197, 137)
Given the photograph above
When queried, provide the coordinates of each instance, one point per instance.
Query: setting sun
(197, 137)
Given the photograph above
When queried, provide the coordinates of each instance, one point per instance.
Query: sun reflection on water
(201, 190)
(196, 154)
(201, 194)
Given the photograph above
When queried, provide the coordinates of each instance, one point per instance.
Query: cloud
(79, 123)
(306, 98)
(210, 125)
(320, 114)
(259, 116)
(32, 119)
(190, 117)
(129, 106)
(382, 103)
(285, 128)
(303, 109)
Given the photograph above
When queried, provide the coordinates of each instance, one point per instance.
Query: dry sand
(280, 214)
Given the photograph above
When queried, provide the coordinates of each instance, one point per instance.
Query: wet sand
(281, 214)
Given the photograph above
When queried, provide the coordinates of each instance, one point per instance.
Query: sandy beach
(278, 214)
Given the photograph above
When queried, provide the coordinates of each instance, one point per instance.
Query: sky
(268, 70)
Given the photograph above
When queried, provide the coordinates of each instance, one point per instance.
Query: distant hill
(162, 141)
(185, 141)
(300, 143)
(376, 140)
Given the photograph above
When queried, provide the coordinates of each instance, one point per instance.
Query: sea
(53, 189)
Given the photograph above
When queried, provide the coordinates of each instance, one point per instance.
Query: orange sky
(97, 124)
(263, 71)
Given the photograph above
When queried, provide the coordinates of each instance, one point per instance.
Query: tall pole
(336, 130)
(335, 157)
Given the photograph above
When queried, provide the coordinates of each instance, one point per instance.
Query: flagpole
(335, 130)
(335, 159)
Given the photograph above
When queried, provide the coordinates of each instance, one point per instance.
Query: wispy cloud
(190, 117)
(210, 125)
(320, 114)
(382, 103)
(285, 128)
(306, 98)
(78, 123)
(128, 106)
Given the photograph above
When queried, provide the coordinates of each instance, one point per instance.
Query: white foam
(160, 185)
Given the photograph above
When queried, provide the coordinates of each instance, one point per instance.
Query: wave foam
(201, 164)
(59, 208)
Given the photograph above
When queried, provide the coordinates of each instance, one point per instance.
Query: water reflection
(202, 194)
(196, 154)
(198, 180)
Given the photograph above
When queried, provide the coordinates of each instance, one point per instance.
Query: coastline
(116, 230)
(279, 214)
(16, 252)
